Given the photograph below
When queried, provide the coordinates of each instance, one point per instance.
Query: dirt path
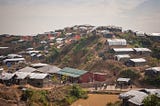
(96, 100)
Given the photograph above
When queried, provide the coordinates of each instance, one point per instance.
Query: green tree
(151, 100)
(153, 80)
(129, 74)
(35, 98)
(54, 53)
(78, 92)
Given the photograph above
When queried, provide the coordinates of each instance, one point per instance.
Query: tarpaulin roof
(71, 72)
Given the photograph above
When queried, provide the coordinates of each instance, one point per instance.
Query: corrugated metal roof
(154, 34)
(60, 39)
(117, 42)
(4, 47)
(71, 72)
(123, 49)
(142, 49)
(33, 54)
(135, 97)
(21, 75)
(155, 69)
(1, 69)
(153, 92)
(6, 76)
(139, 33)
(39, 55)
(123, 79)
(14, 55)
(49, 69)
(138, 60)
(99, 73)
(27, 69)
(30, 49)
(37, 75)
(33, 51)
(1, 56)
(39, 65)
(122, 56)
(14, 60)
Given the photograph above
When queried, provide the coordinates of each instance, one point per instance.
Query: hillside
(89, 52)
(80, 49)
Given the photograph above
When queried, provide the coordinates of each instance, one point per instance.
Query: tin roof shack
(154, 36)
(133, 98)
(39, 79)
(29, 49)
(32, 52)
(38, 65)
(136, 97)
(112, 28)
(11, 56)
(27, 69)
(123, 82)
(152, 72)
(13, 61)
(111, 43)
(22, 75)
(1, 70)
(140, 34)
(109, 28)
(49, 69)
(75, 75)
(152, 92)
(142, 51)
(122, 51)
(60, 40)
(122, 57)
(7, 78)
(21, 78)
(107, 34)
(2, 58)
(4, 50)
(136, 62)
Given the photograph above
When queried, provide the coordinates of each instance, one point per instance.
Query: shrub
(151, 100)
(129, 74)
(54, 53)
(155, 81)
(77, 92)
(34, 97)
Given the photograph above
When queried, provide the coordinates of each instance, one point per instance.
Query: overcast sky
(38, 16)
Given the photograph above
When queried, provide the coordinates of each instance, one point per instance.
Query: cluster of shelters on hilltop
(153, 36)
(68, 35)
(43, 75)
(136, 97)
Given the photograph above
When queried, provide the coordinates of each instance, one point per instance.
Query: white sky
(38, 16)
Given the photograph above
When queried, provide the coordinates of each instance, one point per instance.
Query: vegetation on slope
(155, 81)
(151, 100)
(128, 73)
(63, 96)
